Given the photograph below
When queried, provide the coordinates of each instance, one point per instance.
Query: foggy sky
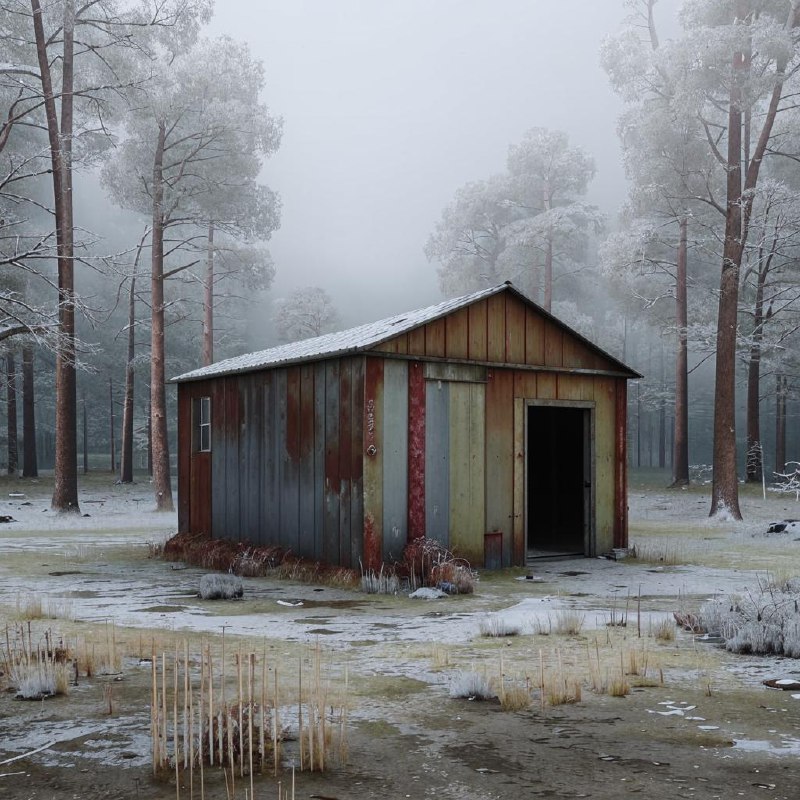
(391, 105)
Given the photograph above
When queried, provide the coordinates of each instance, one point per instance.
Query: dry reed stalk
(175, 744)
(241, 721)
(185, 702)
(300, 708)
(343, 724)
(261, 732)
(154, 715)
(250, 672)
(210, 707)
(541, 677)
(164, 706)
(275, 726)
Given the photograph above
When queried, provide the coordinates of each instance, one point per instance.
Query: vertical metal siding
(416, 450)
(466, 470)
(499, 457)
(437, 461)
(477, 331)
(357, 465)
(345, 461)
(373, 463)
(218, 461)
(232, 484)
(330, 536)
(319, 459)
(306, 545)
(395, 459)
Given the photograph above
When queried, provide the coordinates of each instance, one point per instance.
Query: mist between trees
(134, 222)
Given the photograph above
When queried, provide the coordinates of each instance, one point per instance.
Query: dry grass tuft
(664, 631)
(496, 626)
(568, 622)
(471, 686)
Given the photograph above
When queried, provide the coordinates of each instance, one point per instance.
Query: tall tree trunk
(65, 492)
(208, 303)
(725, 484)
(754, 467)
(126, 456)
(739, 206)
(85, 438)
(662, 419)
(30, 464)
(11, 416)
(781, 388)
(112, 443)
(162, 484)
(149, 440)
(680, 458)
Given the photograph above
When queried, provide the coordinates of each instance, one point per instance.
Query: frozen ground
(402, 653)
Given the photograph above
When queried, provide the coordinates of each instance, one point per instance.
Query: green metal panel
(467, 462)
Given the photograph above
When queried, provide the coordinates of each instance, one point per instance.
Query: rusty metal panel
(319, 458)
(515, 331)
(534, 338)
(477, 345)
(553, 345)
(185, 494)
(457, 334)
(395, 459)
(373, 463)
(250, 456)
(290, 469)
(500, 457)
(437, 461)
(345, 460)
(493, 550)
(357, 465)
(416, 450)
(330, 533)
(467, 470)
(218, 460)
(416, 341)
(306, 468)
(270, 513)
(496, 328)
(520, 476)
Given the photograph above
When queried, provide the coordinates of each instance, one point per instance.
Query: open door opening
(558, 497)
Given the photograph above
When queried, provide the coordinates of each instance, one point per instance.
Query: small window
(201, 414)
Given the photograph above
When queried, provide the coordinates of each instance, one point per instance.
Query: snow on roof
(353, 340)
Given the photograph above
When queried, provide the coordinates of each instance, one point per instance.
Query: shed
(482, 422)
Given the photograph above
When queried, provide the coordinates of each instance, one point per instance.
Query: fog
(390, 107)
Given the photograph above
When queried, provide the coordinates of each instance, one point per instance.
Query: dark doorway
(559, 486)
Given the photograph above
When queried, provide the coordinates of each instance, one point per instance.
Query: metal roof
(366, 337)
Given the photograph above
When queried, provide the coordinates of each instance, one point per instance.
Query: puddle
(786, 747)
(162, 609)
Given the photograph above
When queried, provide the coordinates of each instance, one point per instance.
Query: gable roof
(366, 337)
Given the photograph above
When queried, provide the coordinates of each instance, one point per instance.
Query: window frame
(201, 424)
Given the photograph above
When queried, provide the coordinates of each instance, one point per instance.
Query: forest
(137, 218)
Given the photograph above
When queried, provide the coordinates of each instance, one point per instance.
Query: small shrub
(471, 685)
(429, 563)
(569, 622)
(515, 698)
(496, 626)
(664, 630)
(220, 587)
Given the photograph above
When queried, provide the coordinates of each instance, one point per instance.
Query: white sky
(391, 105)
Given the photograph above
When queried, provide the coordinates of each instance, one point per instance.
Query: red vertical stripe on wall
(416, 450)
